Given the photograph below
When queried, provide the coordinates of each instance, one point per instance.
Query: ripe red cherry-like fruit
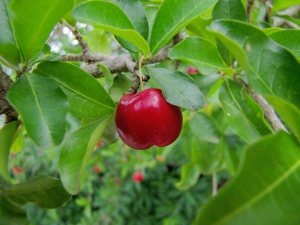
(97, 169)
(146, 119)
(137, 177)
(192, 70)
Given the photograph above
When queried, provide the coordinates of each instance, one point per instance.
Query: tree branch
(5, 108)
(269, 112)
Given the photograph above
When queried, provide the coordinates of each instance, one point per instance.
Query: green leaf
(189, 176)
(100, 13)
(7, 136)
(231, 159)
(135, 12)
(178, 88)
(253, 49)
(151, 12)
(205, 128)
(10, 213)
(228, 9)
(43, 107)
(172, 16)
(18, 143)
(280, 5)
(109, 80)
(289, 39)
(288, 112)
(243, 114)
(199, 52)
(33, 22)
(76, 152)
(97, 42)
(207, 155)
(120, 87)
(266, 193)
(46, 192)
(9, 53)
(87, 97)
(110, 134)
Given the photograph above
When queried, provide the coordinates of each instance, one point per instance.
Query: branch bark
(5, 108)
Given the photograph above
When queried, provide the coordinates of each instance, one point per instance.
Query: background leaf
(87, 97)
(228, 9)
(289, 39)
(11, 214)
(199, 52)
(264, 194)
(278, 77)
(43, 107)
(45, 191)
(34, 20)
(9, 53)
(243, 114)
(100, 13)
(76, 152)
(7, 136)
(97, 41)
(178, 88)
(171, 17)
(280, 5)
(189, 176)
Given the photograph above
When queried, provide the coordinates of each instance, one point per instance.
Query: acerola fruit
(192, 70)
(146, 119)
(17, 170)
(137, 177)
(97, 169)
(99, 144)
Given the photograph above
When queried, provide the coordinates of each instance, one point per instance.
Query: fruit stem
(140, 73)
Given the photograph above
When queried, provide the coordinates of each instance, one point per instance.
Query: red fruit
(146, 119)
(117, 181)
(137, 177)
(17, 170)
(97, 169)
(99, 144)
(192, 70)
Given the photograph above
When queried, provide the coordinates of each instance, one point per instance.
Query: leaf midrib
(39, 107)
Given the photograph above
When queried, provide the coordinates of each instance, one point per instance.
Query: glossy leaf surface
(228, 9)
(100, 13)
(45, 191)
(178, 88)
(33, 22)
(76, 152)
(87, 97)
(290, 39)
(271, 69)
(199, 52)
(172, 16)
(243, 114)
(43, 107)
(266, 193)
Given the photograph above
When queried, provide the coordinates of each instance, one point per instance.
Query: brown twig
(5, 108)
(268, 110)
(86, 53)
